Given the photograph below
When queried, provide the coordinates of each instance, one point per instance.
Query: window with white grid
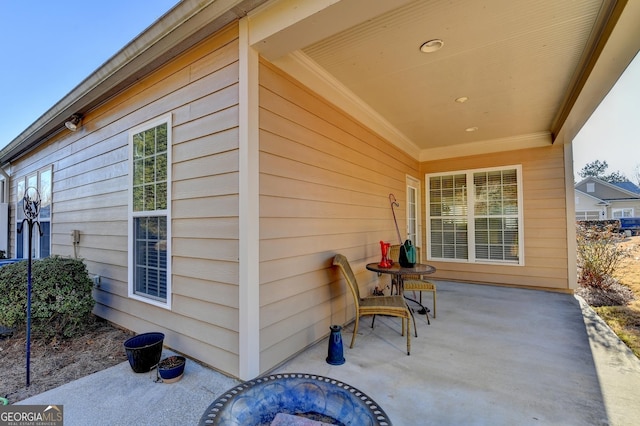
(475, 216)
(149, 200)
(623, 212)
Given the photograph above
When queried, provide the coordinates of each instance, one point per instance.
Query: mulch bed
(57, 362)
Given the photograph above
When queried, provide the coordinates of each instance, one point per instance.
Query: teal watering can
(407, 257)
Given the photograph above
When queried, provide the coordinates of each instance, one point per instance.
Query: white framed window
(475, 216)
(591, 187)
(413, 211)
(624, 212)
(150, 212)
(42, 180)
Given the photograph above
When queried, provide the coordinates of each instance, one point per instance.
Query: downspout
(5, 199)
(7, 183)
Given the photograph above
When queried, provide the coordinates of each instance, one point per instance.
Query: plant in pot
(171, 368)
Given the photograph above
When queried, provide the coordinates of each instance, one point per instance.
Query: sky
(610, 134)
(50, 46)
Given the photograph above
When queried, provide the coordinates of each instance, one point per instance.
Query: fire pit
(318, 398)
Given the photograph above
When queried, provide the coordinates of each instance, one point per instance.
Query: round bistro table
(399, 272)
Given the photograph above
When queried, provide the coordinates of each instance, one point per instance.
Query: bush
(61, 299)
(599, 255)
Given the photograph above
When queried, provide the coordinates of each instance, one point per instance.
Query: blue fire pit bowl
(318, 398)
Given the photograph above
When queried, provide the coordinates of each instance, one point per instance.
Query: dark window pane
(150, 273)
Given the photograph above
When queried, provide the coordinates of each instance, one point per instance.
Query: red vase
(384, 248)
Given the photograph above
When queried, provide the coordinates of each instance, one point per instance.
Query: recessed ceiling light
(431, 45)
(471, 129)
(461, 99)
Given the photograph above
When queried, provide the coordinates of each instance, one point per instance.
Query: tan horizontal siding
(207, 269)
(223, 163)
(113, 200)
(203, 186)
(206, 290)
(178, 331)
(216, 143)
(206, 248)
(207, 312)
(221, 228)
(324, 186)
(90, 182)
(96, 190)
(312, 134)
(545, 223)
(84, 217)
(221, 206)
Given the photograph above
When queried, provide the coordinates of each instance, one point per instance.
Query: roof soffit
(188, 23)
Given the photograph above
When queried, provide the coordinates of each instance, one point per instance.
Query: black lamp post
(31, 207)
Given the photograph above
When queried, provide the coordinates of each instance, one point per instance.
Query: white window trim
(131, 264)
(414, 184)
(471, 223)
(622, 210)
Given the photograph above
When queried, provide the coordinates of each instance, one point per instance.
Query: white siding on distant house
(589, 208)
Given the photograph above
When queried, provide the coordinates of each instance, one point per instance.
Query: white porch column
(249, 262)
(572, 250)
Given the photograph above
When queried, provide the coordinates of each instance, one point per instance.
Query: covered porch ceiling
(532, 72)
(511, 74)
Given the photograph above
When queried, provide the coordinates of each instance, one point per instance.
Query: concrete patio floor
(493, 356)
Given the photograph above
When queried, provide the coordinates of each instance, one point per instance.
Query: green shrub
(61, 299)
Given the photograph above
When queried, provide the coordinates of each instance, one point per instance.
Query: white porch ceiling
(520, 63)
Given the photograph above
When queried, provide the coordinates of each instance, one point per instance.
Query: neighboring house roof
(628, 186)
(365, 57)
(607, 191)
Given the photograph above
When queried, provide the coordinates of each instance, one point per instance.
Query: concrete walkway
(493, 356)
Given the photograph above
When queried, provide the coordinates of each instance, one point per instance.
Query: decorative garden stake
(31, 208)
(407, 257)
